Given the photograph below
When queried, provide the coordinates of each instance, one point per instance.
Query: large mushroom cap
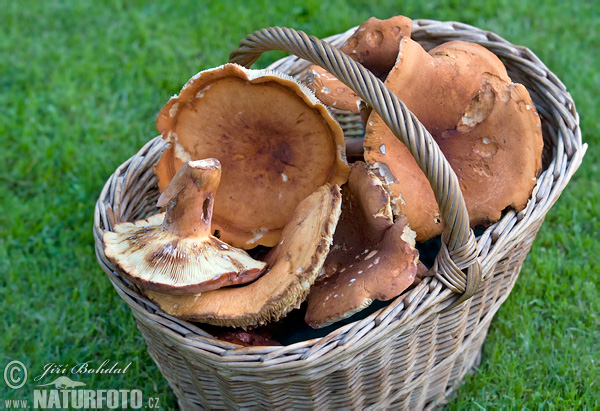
(372, 257)
(437, 85)
(461, 93)
(374, 44)
(174, 252)
(496, 149)
(293, 267)
(276, 142)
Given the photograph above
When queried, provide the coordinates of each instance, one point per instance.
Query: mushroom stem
(194, 184)
(354, 149)
(174, 252)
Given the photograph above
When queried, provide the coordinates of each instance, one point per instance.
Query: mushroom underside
(293, 266)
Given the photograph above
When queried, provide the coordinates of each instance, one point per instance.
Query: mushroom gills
(293, 266)
(174, 252)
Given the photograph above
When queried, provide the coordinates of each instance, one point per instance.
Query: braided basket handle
(456, 265)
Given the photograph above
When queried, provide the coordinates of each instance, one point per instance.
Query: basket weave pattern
(412, 353)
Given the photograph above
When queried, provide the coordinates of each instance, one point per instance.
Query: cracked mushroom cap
(293, 266)
(372, 257)
(174, 252)
(374, 44)
(486, 127)
(496, 149)
(276, 141)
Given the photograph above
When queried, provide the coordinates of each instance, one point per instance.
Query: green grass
(81, 83)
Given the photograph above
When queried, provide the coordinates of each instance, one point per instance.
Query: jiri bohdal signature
(106, 367)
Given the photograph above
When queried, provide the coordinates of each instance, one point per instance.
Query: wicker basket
(410, 354)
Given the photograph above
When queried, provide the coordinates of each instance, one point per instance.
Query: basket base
(451, 391)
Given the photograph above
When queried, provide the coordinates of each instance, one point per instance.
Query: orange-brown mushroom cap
(276, 141)
(366, 215)
(496, 149)
(461, 93)
(331, 91)
(372, 258)
(293, 266)
(174, 252)
(374, 44)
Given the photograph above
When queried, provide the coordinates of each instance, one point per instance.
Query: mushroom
(497, 149)
(246, 338)
(293, 267)
(372, 257)
(487, 128)
(374, 44)
(174, 252)
(354, 149)
(331, 91)
(276, 141)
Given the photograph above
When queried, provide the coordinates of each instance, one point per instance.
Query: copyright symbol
(15, 374)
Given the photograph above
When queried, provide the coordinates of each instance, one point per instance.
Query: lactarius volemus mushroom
(335, 94)
(293, 266)
(372, 258)
(174, 252)
(374, 44)
(486, 126)
(332, 92)
(277, 144)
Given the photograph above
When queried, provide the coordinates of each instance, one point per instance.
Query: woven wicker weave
(415, 351)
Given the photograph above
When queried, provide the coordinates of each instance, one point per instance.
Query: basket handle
(456, 264)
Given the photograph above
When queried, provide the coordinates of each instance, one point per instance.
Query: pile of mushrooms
(261, 211)
(486, 126)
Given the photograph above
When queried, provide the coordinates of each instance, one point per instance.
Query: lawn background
(81, 83)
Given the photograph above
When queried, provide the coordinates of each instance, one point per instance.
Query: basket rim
(429, 295)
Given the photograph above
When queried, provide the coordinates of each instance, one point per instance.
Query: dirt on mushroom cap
(331, 91)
